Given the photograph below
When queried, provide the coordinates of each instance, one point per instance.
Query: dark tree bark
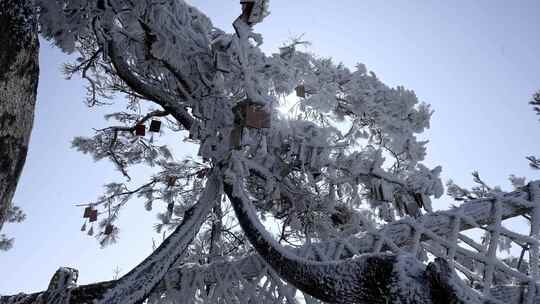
(19, 70)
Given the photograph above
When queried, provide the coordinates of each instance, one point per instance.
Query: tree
(19, 69)
(345, 163)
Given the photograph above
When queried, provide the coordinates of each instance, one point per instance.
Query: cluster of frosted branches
(441, 234)
(14, 215)
(533, 161)
(345, 162)
(351, 144)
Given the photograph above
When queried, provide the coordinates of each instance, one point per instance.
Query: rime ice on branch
(346, 163)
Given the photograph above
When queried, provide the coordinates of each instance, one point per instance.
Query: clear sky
(474, 61)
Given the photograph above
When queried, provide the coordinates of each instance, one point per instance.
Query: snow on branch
(136, 285)
(474, 213)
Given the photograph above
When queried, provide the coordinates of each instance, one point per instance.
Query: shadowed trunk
(19, 71)
(369, 278)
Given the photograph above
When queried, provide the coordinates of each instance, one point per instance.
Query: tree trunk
(19, 71)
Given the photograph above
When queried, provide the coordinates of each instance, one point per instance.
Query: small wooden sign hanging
(301, 91)
(251, 115)
(93, 216)
(155, 126)
(140, 130)
(257, 117)
(87, 212)
(171, 180)
(109, 229)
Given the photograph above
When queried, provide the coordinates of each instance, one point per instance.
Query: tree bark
(19, 71)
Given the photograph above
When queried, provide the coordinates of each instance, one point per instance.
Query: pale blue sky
(475, 62)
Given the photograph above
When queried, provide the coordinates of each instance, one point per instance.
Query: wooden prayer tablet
(109, 229)
(140, 130)
(301, 91)
(155, 126)
(93, 216)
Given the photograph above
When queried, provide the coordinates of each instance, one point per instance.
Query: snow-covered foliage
(534, 162)
(349, 130)
(14, 215)
(341, 173)
(536, 102)
(440, 233)
(350, 150)
(345, 162)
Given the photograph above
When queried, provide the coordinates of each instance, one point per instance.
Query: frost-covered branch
(535, 102)
(303, 170)
(401, 232)
(137, 284)
(365, 278)
(146, 90)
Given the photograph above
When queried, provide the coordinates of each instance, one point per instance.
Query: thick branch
(251, 265)
(399, 232)
(136, 285)
(517, 203)
(146, 90)
(369, 278)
